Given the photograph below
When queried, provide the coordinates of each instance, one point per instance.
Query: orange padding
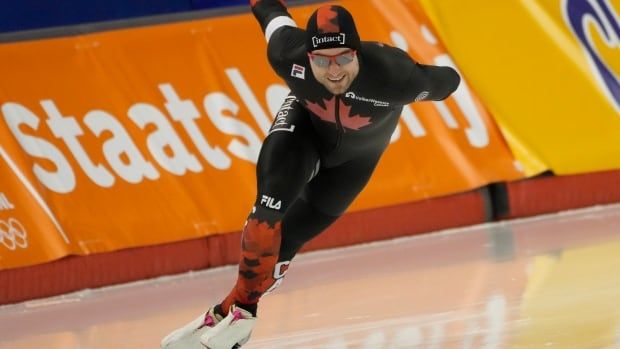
(75, 273)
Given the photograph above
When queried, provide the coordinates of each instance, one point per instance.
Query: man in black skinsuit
(345, 102)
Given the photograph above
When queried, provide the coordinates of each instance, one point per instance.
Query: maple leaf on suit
(328, 113)
(354, 122)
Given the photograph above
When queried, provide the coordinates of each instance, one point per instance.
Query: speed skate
(211, 331)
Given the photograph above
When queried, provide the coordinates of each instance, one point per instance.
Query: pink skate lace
(237, 315)
(209, 321)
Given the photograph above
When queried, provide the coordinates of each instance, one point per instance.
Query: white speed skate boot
(231, 332)
(188, 336)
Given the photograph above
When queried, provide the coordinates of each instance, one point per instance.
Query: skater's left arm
(430, 82)
(411, 81)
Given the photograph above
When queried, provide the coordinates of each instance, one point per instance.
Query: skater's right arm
(280, 30)
(271, 15)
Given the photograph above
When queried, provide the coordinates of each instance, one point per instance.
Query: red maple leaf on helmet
(327, 20)
(328, 113)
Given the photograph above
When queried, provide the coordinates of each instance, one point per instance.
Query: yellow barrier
(549, 72)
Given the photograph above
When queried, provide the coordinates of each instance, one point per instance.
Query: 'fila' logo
(580, 15)
(270, 202)
(298, 72)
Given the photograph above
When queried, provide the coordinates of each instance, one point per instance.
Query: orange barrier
(150, 135)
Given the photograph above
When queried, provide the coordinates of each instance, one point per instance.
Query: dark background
(20, 15)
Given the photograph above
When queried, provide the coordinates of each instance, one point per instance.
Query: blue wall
(18, 15)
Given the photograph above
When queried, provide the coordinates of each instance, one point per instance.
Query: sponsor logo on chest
(376, 103)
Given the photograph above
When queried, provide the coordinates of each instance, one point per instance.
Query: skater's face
(334, 68)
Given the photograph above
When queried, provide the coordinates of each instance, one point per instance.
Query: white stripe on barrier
(33, 192)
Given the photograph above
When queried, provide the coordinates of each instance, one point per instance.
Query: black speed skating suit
(322, 148)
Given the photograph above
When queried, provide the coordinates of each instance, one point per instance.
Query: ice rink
(545, 282)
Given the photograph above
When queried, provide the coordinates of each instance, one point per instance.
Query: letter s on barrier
(62, 180)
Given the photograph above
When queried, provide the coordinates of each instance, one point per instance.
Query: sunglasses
(341, 59)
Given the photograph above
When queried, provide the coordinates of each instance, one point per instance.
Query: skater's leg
(286, 162)
(323, 201)
(288, 159)
(333, 190)
(301, 223)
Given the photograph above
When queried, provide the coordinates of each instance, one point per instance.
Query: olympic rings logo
(13, 234)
